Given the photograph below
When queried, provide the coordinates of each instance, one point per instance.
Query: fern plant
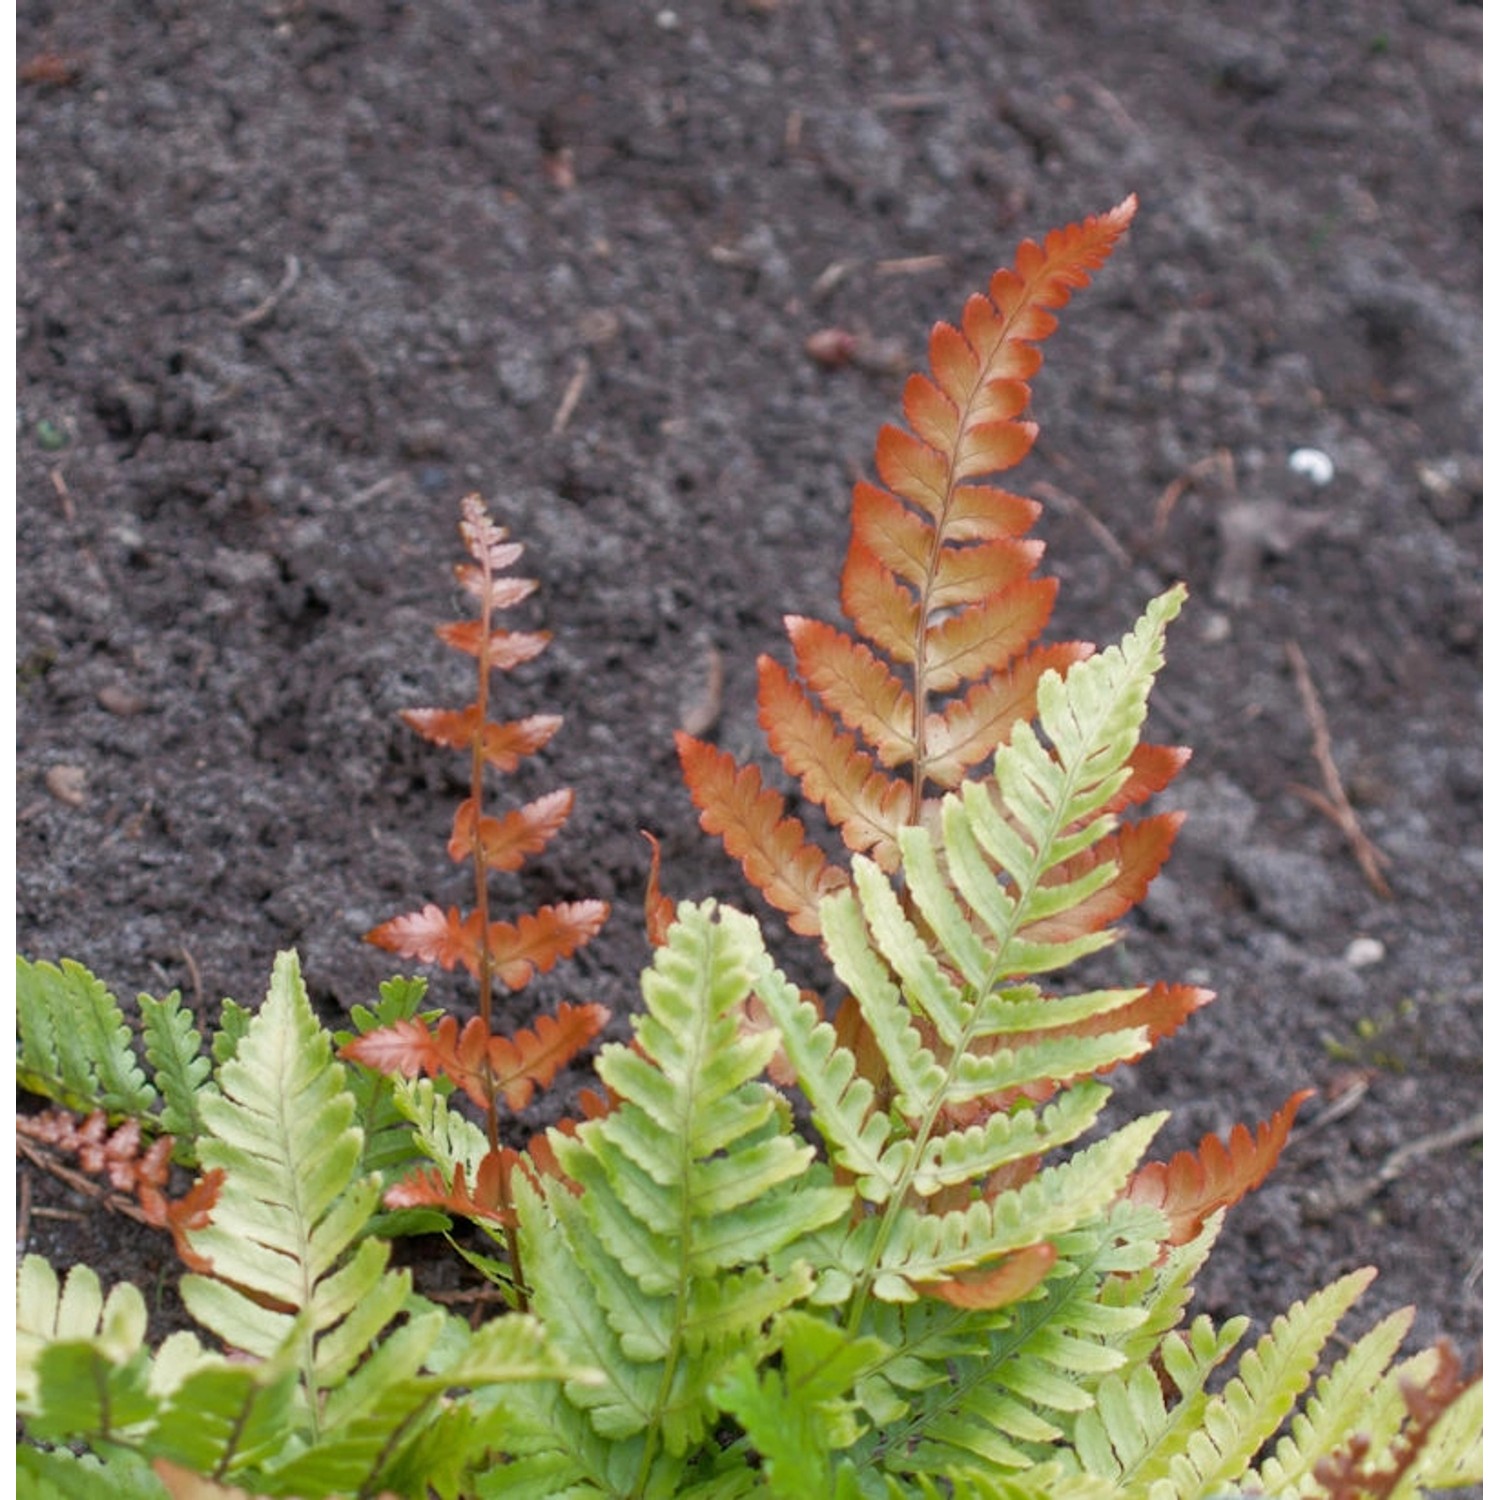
(954, 1281)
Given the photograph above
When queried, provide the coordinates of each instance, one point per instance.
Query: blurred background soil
(295, 276)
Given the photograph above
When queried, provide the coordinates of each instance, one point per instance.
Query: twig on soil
(1075, 507)
(23, 1212)
(64, 497)
(1333, 801)
(1351, 1195)
(910, 265)
(263, 310)
(80, 1182)
(1220, 461)
(570, 396)
(197, 978)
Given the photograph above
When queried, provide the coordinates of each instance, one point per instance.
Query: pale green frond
(291, 1208)
(1270, 1379)
(1132, 1435)
(916, 1073)
(858, 1134)
(75, 1047)
(969, 1155)
(1340, 1404)
(444, 1137)
(990, 1387)
(922, 1247)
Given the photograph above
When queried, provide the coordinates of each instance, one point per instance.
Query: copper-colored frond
(504, 744)
(884, 612)
(988, 637)
(503, 650)
(1195, 1184)
(537, 940)
(792, 874)
(507, 842)
(855, 684)
(867, 808)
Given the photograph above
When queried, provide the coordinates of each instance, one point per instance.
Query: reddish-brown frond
(856, 685)
(885, 612)
(988, 636)
(531, 1059)
(406, 1048)
(485, 1067)
(505, 648)
(1138, 849)
(501, 593)
(660, 909)
(1196, 1184)
(489, 1198)
(789, 872)
(1152, 768)
(970, 729)
(896, 536)
(537, 940)
(505, 745)
(431, 936)
(507, 842)
(971, 574)
(1019, 1274)
(981, 513)
(867, 807)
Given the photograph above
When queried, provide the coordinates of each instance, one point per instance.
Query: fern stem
(486, 970)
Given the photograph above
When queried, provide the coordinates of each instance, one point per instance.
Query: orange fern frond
(507, 842)
(489, 1199)
(537, 940)
(485, 1067)
(1196, 1184)
(867, 807)
(1009, 1280)
(939, 583)
(504, 746)
(791, 873)
(503, 648)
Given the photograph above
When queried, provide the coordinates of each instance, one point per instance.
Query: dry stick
(263, 310)
(23, 1213)
(80, 1182)
(570, 396)
(1333, 801)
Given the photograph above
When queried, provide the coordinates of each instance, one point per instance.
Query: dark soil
(296, 276)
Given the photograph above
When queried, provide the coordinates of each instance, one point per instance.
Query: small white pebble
(1215, 628)
(1312, 464)
(1363, 952)
(667, 20)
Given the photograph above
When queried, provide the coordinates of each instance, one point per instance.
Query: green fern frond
(1000, 1387)
(181, 1070)
(1343, 1402)
(660, 1272)
(1213, 1447)
(75, 1045)
(282, 1130)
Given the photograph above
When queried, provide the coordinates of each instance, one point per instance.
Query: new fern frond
(488, 1067)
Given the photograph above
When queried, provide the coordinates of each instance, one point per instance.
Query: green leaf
(75, 1046)
(180, 1068)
